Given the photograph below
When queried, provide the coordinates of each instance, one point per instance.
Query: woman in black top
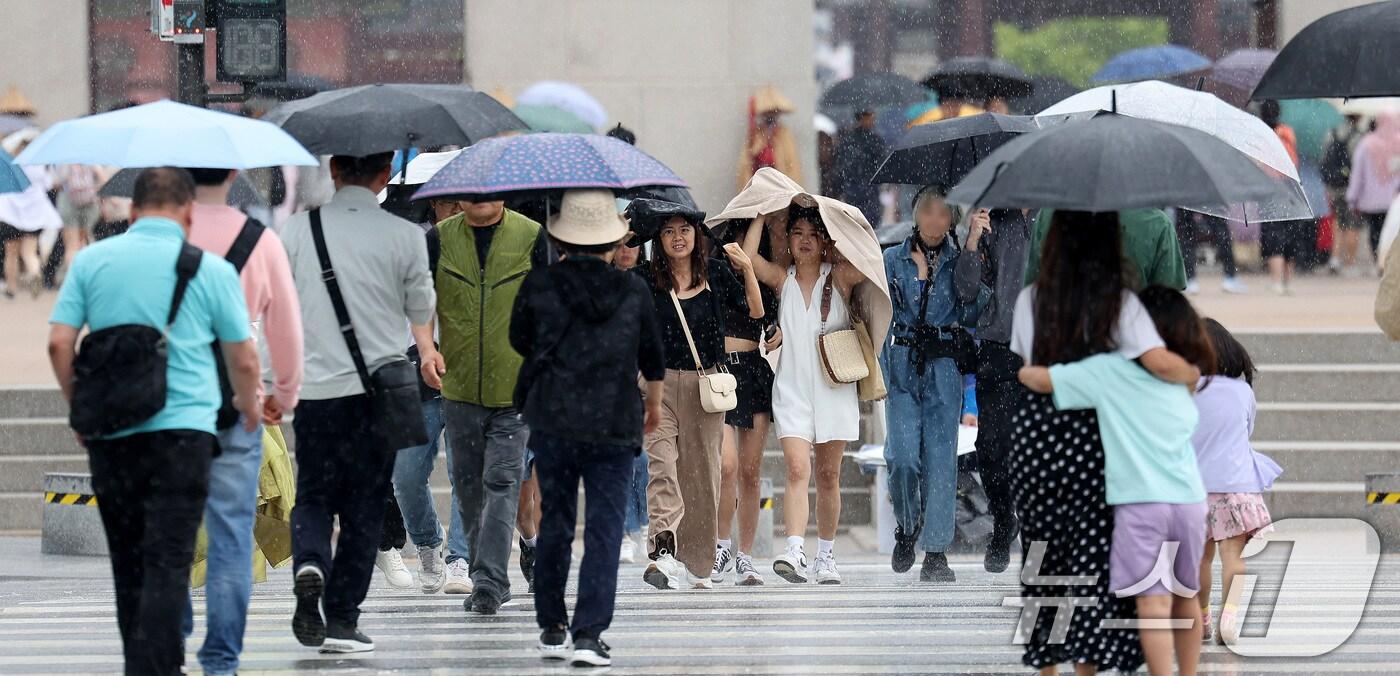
(684, 452)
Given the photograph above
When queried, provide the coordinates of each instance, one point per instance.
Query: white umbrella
(1162, 102)
(422, 167)
(566, 96)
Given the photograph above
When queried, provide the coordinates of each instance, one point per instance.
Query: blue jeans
(604, 470)
(921, 446)
(412, 467)
(637, 496)
(228, 522)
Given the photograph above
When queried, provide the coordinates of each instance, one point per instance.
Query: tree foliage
(1074, 49)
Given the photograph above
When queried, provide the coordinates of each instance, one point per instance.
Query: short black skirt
(755, 379)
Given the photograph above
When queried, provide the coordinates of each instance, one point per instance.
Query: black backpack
(1336, 162)
(238, 255)
(119, 373)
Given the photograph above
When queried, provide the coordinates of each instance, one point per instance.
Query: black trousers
(998, 395)
(392, 534)
(150, 492)
(340, 472)
(606, 472)
(1188, 223)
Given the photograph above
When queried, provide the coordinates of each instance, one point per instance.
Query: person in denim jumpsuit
(925, 393)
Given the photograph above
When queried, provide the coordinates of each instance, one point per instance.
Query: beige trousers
(683, 457)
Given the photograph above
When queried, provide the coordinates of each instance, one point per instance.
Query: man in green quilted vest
(486, 252)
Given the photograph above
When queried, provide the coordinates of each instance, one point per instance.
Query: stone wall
(43, 51)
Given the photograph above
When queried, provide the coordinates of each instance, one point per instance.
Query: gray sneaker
(745, 575)
(724, 560)
(432, 572)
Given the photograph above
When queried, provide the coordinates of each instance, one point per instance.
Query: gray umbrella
(1112, 163)
(379, 118)
(242, 194)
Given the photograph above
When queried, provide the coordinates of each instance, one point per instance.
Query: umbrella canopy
(770, 191)
(423, 167)
(1150, 63)
(166, 133)
(1048, 92)
(943, 152)
(1346, 54)
(379, 118)
(871, 91)
(980, 77)
(12, 178)
(1162, 102)
(566, 96)
(1312, 120)
(1242, 68)
(536, 162)
(123, 184)
(550, 118)
(1112, 163)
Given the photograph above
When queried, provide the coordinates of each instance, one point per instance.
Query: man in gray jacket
(381, 266)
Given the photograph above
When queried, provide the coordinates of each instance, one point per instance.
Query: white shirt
(1133, 333)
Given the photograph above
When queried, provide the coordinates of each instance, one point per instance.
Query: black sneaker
(307, 624)
(590, 652)
(998, 555)
(554, 644)
(904, 543)
(342, 639)
(482, 603)
(936, 569)
(527, 564)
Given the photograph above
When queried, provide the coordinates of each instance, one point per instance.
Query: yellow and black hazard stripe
(765, 503)
(70, 499)
(1375, 498)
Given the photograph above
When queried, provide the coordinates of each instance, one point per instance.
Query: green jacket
(474, 307)
(1149, 243)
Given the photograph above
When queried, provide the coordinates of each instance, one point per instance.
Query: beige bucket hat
(588, 218)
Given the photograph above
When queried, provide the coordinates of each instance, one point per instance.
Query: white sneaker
(459, 579)
(1279, 290)
(395, 571)
(431, 570)
(824, 569)
(698, 581)
(792, 565)
(1192, 288)
(629, 551)
(745, 575)
(665, 572)
(1232, 285)
(723, 562)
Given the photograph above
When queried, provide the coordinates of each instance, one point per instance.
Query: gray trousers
(487, 448)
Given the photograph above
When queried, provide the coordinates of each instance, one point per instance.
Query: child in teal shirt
(1150, 472)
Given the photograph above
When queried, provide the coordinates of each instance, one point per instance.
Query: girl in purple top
(1235, 475)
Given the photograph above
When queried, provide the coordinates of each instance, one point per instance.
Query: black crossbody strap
(342, 313)
(186, 266)
(244, 244)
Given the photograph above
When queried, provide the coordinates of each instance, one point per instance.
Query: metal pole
(190, 86)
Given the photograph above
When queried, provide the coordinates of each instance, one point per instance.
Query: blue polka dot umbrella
(547, 162)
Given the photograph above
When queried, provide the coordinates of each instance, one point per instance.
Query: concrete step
(1312, 461)
(37, 436)
(1358, 421)
(1330, 347)
(26, 472)
(28, 401)
(1328, 382)
(1317, 499)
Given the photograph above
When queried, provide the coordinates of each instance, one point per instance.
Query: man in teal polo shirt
(151, 479)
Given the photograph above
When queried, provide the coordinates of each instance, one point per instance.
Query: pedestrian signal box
(252, 40)
(188, 22)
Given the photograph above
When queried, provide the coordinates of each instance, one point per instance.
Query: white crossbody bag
(719, 391)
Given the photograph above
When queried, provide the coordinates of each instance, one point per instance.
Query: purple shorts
(1142, 563)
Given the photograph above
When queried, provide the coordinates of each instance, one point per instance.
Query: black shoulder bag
(393, 387)
(119, 373)
(238, 255)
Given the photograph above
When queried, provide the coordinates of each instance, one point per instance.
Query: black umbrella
(941, 153)
(1112, 163)
(1347, 54)
(242, 194)
(872, 91)
(979, 77)
(1048, 92)
(646, 216)
(379, 118)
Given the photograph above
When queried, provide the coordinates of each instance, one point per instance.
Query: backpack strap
(342, 313)
(244, 244)
(186, 266)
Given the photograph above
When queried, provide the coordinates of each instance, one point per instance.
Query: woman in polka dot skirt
(1078, 307)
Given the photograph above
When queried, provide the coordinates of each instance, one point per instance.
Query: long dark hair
(661, 263)
(1231, 359)
(1179, 326)
(1080, 288)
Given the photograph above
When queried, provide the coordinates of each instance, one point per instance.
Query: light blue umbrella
(166, 133)
(12, 178)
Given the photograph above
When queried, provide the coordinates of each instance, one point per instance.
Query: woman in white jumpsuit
(810, 414)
